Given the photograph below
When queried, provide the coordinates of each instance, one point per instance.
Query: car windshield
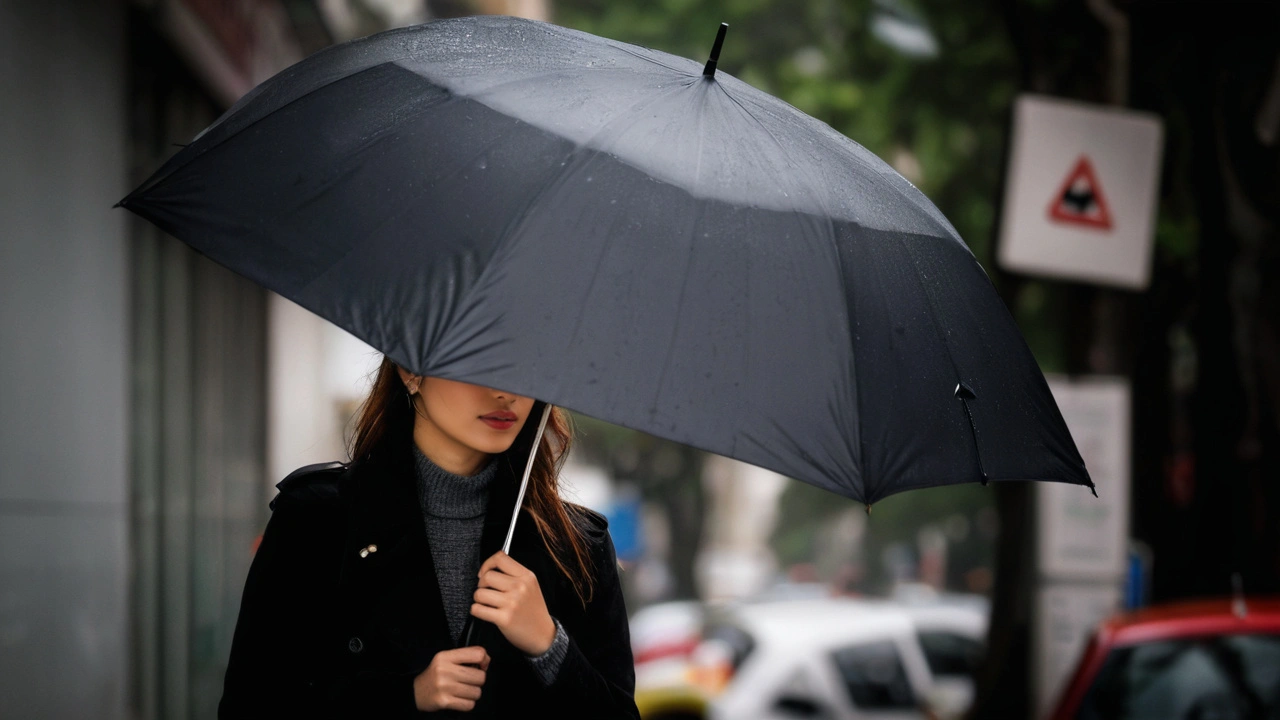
(1228, 677)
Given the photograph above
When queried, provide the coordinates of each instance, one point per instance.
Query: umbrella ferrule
(710, 70)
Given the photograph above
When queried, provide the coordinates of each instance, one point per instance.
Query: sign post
(1082, 541)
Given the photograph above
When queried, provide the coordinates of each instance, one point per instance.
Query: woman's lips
(502, 420)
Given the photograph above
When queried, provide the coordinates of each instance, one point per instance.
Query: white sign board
(1080, 192)
(1066, 616)
(1080, 536)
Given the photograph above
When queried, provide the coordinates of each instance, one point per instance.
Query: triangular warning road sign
(1080, 201)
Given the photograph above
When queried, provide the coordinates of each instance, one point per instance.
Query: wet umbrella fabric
(607, 228)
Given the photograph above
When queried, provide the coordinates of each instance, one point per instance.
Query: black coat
(324, 632)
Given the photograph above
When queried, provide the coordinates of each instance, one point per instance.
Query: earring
(412, 388)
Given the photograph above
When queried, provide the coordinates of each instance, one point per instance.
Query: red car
(1216, 659)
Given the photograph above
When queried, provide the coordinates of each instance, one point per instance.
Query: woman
(367, 573)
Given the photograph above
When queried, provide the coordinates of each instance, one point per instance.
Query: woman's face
(465, 423)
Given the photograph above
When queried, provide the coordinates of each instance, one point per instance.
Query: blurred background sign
(1080, 193)
(1083, 537)
(624, 525)
(1066, 613)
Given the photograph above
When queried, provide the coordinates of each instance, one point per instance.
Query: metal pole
(524, 483)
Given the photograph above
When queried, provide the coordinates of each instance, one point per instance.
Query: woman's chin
(494, 446)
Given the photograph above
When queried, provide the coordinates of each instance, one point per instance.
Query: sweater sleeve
(272, 671)
(597, 678)
(547, 665)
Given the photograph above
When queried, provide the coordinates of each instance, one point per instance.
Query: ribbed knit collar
(446, 495)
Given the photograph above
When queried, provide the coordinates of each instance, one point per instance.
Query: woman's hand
(452, 681)
(509, 597)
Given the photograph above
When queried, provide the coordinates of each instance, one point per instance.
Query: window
(1229, 677)
(874, 676)
(739, 641)
(951, 655)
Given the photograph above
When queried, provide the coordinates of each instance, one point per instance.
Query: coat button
(355, 645)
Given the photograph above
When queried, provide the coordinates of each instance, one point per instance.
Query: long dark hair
(386, 418)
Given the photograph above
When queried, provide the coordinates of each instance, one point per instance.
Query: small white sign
(1066, 616)
(1080, 192)
(1080, 536)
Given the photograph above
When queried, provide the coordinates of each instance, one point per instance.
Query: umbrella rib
(524, 80)
(946, 346)
(439, 330)
(625, 47)
(691, 235)
(675, 331)
(595, 276)
(512, 230)
(883, 170)
(152, 182)
(559, 176)
(835, 248)
(655, 61)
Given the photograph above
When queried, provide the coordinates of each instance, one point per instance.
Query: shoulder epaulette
(312, 483)
(592, 523)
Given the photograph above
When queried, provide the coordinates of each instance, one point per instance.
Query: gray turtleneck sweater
(453, 511)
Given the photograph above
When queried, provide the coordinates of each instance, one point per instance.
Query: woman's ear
(411, 381)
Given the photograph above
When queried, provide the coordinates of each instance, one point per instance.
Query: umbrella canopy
(611, 229)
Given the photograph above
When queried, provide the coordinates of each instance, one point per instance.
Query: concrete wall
(63, 360)
(317, 374)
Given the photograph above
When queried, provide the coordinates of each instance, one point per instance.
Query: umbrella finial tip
(710, 70)
(868, 509)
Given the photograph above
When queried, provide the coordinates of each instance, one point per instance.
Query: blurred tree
(667, 474)
(963, 513)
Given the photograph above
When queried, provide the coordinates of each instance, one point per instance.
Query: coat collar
(398, 579)
(382, 496)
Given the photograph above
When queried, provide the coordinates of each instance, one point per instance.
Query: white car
(666, 630)
(841, 659)
(952, 635)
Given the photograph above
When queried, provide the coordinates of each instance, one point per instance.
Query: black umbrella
(630, 235)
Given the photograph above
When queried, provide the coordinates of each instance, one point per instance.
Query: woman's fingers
(505, 564)
(452, 681)
(491, 598)
(470, 655)
(455, 703)
(464, 691)
(498, 580)
(490, 614)
(467, 675)
(508, 595)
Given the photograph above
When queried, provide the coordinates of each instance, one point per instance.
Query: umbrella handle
(524, 483)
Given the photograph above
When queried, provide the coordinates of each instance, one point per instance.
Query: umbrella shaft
(524, 483)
